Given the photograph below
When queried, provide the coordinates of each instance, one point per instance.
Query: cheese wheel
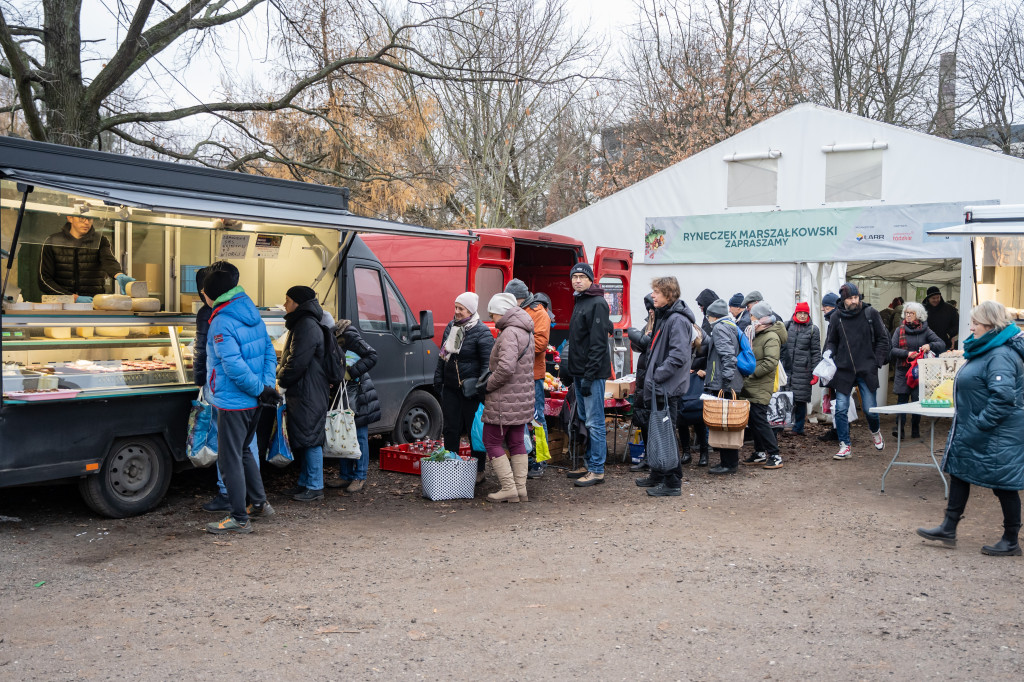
(112, 302)
(137, 289)
(78, 306)
(57, 332)
(84, 332)
(146, 305)
(112, 331)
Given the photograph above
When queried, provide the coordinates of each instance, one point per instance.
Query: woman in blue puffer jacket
(985, 446)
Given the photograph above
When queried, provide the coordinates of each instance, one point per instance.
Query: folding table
(910, 409)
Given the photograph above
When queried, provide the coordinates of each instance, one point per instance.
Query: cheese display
(137, 289)
(84, 332)
(146, 305)
(57, 332)
(112, 302)
(116, 332)
(58, 298)
(47, 306)
(17, 306)
(78, 306)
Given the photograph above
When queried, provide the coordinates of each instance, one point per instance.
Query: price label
(233, 246)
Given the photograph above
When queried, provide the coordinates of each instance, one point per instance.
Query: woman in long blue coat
(986, 442)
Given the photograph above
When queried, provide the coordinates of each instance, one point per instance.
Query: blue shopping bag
(201, 445)
(279, 453)
(476, 434)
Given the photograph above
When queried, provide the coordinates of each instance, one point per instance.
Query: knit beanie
(932, 290)
(736, 301)
(752, 297)
(583, 268)
(803, 307)
(301, 294)
(760, 309)
(469, 301)
(829, 300)
(847, 290)
(501, 303)
(221, 277)
(718, 308)
(517, 288)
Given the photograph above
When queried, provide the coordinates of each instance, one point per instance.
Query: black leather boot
(945, 532)
(1007, 545)
(829, 436)
(703, 461)
(685, 457)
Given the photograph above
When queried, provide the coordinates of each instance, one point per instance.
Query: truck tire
(419, 418)
(133, 479)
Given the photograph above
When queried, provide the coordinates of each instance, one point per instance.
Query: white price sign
(233, 246)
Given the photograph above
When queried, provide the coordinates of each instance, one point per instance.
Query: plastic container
(406, 460)
(636, 452)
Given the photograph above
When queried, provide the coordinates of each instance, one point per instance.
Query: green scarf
(973, 347)
(228, 295)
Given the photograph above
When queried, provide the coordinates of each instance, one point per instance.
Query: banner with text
(831, 234)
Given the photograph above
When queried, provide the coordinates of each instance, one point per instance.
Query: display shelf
(81, 342)
(112, 393)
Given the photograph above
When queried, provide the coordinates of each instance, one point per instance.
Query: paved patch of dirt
(804, 572)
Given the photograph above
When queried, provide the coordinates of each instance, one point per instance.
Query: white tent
(786, 205)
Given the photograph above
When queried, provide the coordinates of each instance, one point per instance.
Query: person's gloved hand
(584, 388)
(814, 380)
(83, 299)
(270, 397)
(122, 282)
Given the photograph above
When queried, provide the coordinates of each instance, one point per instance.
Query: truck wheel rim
(416, 423)
(132, 471)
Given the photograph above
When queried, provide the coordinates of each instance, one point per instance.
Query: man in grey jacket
(721, 372)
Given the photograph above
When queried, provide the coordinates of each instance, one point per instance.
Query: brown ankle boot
(520, 468)
(503, 469)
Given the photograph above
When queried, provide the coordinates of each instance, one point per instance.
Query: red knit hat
(803, 307)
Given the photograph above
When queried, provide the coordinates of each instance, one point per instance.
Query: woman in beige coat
(508, 396)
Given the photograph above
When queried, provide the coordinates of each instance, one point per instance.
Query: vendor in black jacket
(589, 364)
(77, 260)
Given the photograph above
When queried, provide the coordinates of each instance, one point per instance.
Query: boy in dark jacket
(590, 364)
(241, 362)
(860, 345)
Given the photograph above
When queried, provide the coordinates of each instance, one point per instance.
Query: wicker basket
(726, 415)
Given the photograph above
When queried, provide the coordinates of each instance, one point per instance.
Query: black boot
(652, 480)
(686, 457)
(945, 533)
(703, 461)
(1007, 545)
(829, 436)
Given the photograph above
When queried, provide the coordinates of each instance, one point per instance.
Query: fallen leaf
(535, 606)
(664, 625)
(301, 607)
(328, 629)
(417, 636)
(268, 618)
(222, 543)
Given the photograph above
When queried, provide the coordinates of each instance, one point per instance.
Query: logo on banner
(874, 237)
(903, 237)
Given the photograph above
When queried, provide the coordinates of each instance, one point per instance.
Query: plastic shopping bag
(341, 440)
(202, 434)
(543, 453)
(826, 369)
(780, 410)
(279, 453)
(476, 434)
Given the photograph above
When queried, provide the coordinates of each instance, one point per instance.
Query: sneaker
(309, 495)
(589, 479)
(773, 462)
(295, 490)
(662, 490)
(355, 486)
(756, 458)
(844, 452)
(260, 510)
(218, 504)
(535, 470)
(879, 442)
(648, 481)
(228, 525)
(333, 483)
(578, 472)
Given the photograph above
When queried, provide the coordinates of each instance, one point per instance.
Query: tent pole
(25, 190)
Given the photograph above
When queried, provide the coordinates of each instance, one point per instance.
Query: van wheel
(133, 479)
(419, 418)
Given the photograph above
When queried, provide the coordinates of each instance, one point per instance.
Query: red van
(431, 272)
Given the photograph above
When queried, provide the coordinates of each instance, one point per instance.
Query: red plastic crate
(398, 458)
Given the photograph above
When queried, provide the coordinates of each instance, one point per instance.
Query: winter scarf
(453, 344)
(974, 347)
(913, 326)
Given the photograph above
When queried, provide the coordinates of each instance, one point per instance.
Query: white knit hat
(501, 303)
(469, 301)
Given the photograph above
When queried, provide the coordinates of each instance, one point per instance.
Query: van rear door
(612, 268)
(490, 266)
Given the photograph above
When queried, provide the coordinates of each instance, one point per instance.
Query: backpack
(746, 363)
(334, 363)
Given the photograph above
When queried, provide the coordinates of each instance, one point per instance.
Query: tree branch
(22, 76)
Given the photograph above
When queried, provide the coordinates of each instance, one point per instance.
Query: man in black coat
(590, 364)
(860, 346)
(943, 319)
(77, 260)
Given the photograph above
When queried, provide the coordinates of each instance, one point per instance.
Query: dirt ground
(797, 573)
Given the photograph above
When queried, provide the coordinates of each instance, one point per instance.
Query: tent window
(753, 183)
(853, 176)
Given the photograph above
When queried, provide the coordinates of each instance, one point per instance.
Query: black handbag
(470, 385)
(662, 447)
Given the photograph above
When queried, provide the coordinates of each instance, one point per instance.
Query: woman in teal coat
(986, 442)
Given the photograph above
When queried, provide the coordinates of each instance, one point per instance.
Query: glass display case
(84, 354)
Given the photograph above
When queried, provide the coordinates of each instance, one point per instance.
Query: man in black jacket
(589, 363)
(860, 345)
(77, 260)
(943, 319)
